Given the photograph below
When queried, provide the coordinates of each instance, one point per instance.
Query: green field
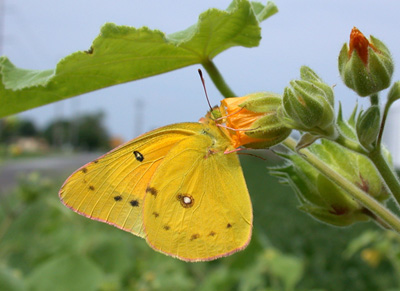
(46, 246)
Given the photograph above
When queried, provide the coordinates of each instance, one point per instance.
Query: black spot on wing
(91, 187)
(138, 156)
(156, 214)
(228, 225)
(212, 233)
(166, 227)
(134, 203)
(118, 198)
(194, 236)
(84, 170)
(152, 191)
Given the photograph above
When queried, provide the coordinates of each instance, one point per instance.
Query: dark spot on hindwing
(166, 227)
(152, 191)
(84, 170)
(212, 233)
(118, 198)
(134, 203)
(156, 214)
(186, 200)
(228, 225)
(194, 236)
(91, 187)
(95, 161)
(138, 156)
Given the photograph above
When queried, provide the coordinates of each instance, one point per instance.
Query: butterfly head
(214, 116)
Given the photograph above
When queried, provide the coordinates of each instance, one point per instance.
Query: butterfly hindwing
(197, 206)
(112, 188)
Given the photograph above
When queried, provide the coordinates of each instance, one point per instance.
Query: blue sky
(311, 32)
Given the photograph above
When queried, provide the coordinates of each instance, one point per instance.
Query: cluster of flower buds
(365, 66)
(263, 120)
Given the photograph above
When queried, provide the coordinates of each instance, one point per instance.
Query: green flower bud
(307, 74)
(252, 120)
(308, 105)
(394, 93)
(368, 126)
(323, 199)
(366, 65)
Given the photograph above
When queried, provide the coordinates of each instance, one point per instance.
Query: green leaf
(69, 272)
(286, 268)
(121, 54)
(11, 279)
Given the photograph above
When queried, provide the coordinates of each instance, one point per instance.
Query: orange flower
(239, 120)
(360, 44)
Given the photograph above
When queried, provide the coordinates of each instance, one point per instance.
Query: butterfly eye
(138, 156)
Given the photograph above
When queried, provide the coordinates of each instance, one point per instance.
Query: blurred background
(45, 246)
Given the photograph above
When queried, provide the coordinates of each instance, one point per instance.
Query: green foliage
(43, 244)
(86, 132)
(13, 127)
(122, 54)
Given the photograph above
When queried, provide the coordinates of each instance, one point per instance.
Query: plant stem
(350, 144)
(363, 198)
(217, 79)
(389, 176)
(374, 98)
(383, 122)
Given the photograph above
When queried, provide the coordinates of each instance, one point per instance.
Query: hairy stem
(350, 144)
(363, 198)
(388, 175)
(217, 79)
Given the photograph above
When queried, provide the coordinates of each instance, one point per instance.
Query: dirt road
(52, 166)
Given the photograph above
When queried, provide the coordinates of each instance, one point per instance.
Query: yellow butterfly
(180, 187)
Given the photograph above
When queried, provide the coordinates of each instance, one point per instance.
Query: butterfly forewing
(111, 189)
(197, 206)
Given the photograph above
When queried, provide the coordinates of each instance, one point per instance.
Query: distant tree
(27, 128)
(57, 132)
(11, 128)
(85, 133)
(92, 134)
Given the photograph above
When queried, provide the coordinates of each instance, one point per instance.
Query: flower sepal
(308, 106)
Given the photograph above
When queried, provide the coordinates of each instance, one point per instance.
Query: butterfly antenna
(252, 155)
(204, 86)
